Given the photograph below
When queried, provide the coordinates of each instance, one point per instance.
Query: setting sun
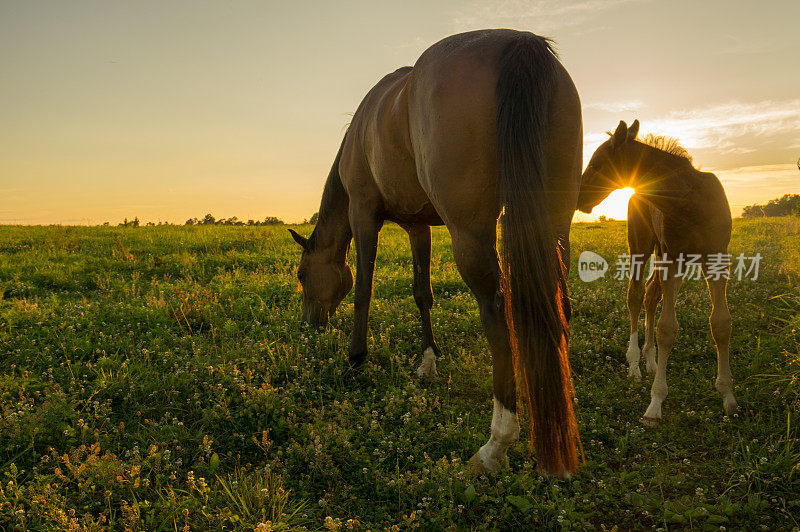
(615, 205)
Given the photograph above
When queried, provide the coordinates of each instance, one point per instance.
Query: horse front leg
(721, 327)
(420, 237)
(641, 242)
(365, 229)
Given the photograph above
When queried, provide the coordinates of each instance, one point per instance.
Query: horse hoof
(422, 373)
(354, 368)
(427, 370)
(732, 409)
(635, 373)
(477, 464)
(650, 421)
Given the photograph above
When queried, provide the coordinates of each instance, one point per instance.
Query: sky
(171, 110)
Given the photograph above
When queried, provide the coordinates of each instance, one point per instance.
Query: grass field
(159, 379)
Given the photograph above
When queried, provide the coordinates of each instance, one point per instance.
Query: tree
(130, 223)
(314, 218)
(208, 220)
(786, 205)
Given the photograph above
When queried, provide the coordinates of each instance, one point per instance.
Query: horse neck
(656, 171)
(332, 233)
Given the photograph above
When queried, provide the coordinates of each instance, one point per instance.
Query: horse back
(377, 167)
(692, 215)
(453, 129)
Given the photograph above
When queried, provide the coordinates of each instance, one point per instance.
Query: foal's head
(611, 167)
(326, 279)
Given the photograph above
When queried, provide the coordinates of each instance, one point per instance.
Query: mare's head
(326, 279)
(610, 168)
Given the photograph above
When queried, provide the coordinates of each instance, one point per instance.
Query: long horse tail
(533, 274)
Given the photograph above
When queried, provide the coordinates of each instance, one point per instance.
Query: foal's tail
(533, 277)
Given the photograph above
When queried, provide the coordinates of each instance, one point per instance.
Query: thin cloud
(733, 126)
(544, 15)
(778, 176)
(616, 107)
(590, 143)
(748, 185)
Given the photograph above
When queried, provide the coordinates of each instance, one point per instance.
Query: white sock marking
(428, 366)
(633, 355)
(505, 431)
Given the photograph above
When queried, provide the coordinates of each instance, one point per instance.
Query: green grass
(159, 379)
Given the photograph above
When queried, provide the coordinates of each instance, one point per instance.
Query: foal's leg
(640, 243)
(420, 236)
(721, 330)
(666, 333)
(635, 295)
(477, 261)
(652, 296)
(365, 227)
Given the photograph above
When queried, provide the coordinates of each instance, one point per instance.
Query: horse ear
(633, 130)
(300, 239)
(620, 134)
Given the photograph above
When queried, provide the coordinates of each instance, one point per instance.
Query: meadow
(158, 378)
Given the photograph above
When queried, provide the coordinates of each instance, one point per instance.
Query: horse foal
(677, 213)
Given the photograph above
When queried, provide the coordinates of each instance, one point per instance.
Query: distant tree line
(786, 205)
(208, 219)
(135, 223)
(603, 218)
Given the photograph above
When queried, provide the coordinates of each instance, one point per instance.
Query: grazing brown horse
(485, 122)
(682, 216)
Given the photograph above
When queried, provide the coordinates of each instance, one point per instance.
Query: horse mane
(669, 145)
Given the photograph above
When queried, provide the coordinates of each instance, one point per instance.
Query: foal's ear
(620, 135)
(633, 130)
(300, 239)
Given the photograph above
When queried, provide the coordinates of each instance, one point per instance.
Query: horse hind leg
(721, 326)
(651, 298)
(478, 264)
(420, 237)
(667, 331)
(635, 295)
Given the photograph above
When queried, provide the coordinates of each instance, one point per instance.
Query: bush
(786, 205)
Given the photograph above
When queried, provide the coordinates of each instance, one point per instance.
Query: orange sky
(167, 111)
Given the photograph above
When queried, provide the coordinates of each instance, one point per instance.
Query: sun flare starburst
(615, 205)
